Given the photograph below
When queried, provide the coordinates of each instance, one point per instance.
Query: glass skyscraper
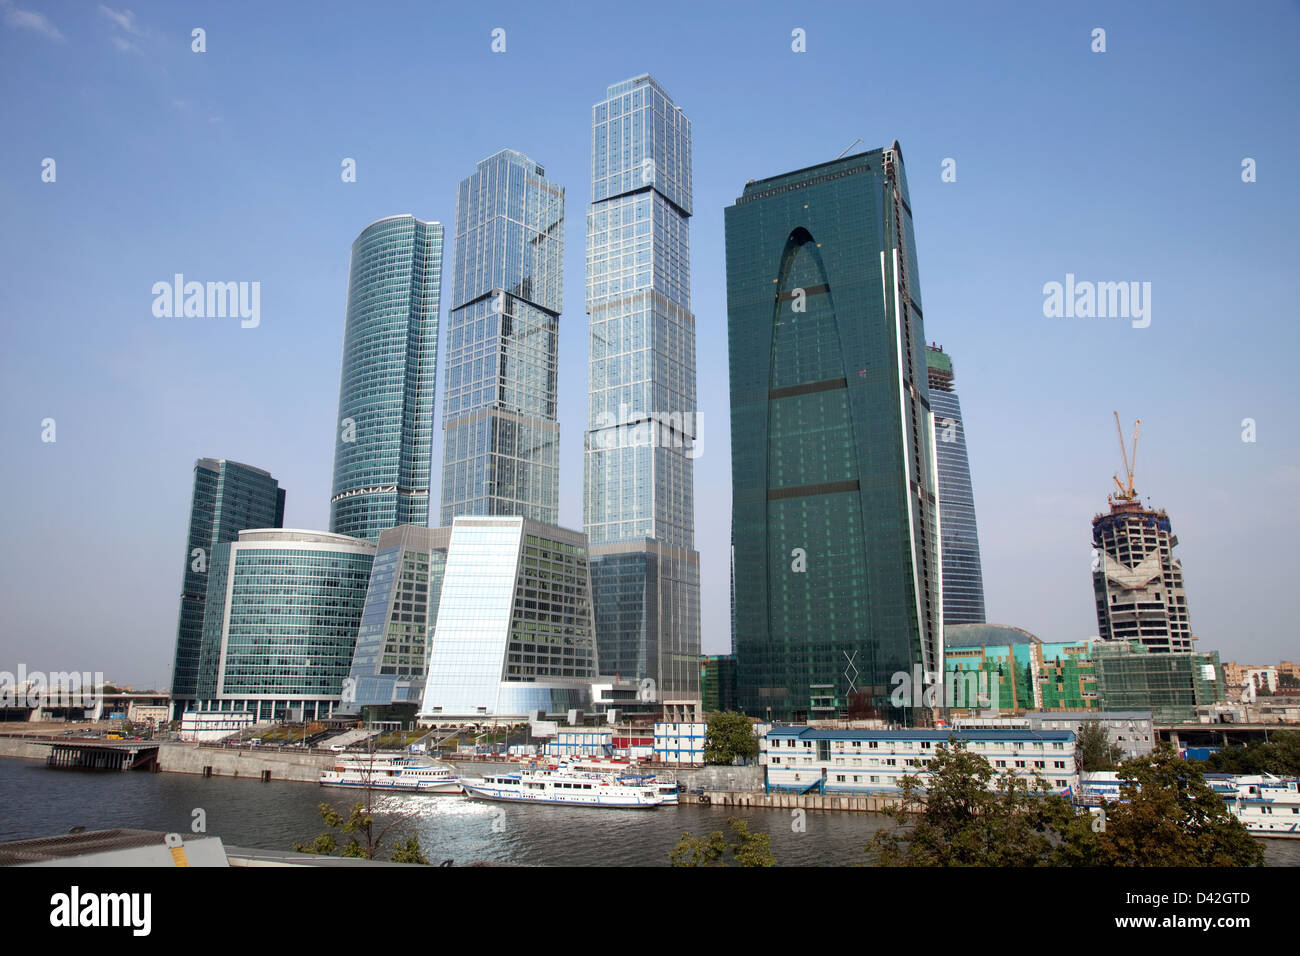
(283, 608)
(835, 517)
(963, 576)
(228, 498)
(638, 502)
(501, 442)
(383, 442)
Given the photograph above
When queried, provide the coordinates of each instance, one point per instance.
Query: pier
(103, 755)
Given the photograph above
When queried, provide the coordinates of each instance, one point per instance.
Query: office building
(834, 485)
(386, 681)
(283, 608)
(863, 762)
(963, 576)
(383, 439)
(228, 498)
(515, 632)
(1172, 684)
(501, 440)
(643, 427)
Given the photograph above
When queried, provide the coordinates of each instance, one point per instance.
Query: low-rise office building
(806, 760)
(1133, 731)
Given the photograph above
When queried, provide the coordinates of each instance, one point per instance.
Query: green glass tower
(383, 441)
(228, 498)
(837, 554)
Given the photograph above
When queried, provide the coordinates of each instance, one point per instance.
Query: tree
(1167, 815)
(1093, 750)
(747, 849)
(729, 735)
(956, 818)
(1280, 755)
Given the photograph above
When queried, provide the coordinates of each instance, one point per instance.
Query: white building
(806, 760)
(681, 744)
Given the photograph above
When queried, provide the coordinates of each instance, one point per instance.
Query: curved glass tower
(963, 576)
(834, 509)
(383, 441)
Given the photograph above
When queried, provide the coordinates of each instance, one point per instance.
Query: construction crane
(1126, 492)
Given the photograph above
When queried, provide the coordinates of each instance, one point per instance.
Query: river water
(38, 801)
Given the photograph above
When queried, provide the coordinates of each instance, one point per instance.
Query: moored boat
(391, 771)
(566, 788)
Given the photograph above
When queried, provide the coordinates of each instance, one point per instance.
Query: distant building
(1265, 677)
(386, 680)
(718, 682)
(283, 608)
(1133, 731)
(1014, 671)
(1131, 676)
(680, 744)
(515, 632)
(1137, 581)
(963, 575)
(834, 484)
(804, 760)
(228, 498)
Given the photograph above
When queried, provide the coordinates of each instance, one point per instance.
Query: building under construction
(1137, 581)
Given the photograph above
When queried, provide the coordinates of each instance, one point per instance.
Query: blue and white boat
(1269, 806)
(391, 771)
(565, 788)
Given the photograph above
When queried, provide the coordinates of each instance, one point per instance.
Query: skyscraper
(832, 445)
(963, 576)
(383, 443)
(228, 498)
(1137, 581)
(501, 440)
(638, 491)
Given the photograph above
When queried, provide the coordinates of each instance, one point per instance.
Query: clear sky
(225, 166)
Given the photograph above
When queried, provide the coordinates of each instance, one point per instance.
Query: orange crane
(1126, 492)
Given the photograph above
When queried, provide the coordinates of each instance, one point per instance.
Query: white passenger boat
(565, 787)
(1268, 806)
(669, 791)
(390, 771)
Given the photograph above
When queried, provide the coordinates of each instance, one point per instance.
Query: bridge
(92, 754)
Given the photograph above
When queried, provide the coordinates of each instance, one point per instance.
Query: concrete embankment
(211, 761)
(21, 747)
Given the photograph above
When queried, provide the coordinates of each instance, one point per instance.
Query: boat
(1269, 806)
(565, 787)
(668, 789)
(391, 771)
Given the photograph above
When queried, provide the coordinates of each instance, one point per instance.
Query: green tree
(364, 839)
(729, 735)
(1093, 750)
(1167, 815)
(961, 816)
(747, 849)
(1279, 755)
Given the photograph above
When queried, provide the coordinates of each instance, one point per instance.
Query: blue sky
(224, 165)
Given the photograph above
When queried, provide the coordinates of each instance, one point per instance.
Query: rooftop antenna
(850, 146)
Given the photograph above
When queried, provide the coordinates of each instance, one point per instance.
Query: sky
(1122, 165)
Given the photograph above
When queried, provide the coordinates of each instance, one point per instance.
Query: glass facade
(501, 438)
(638, 501)
(383, 442)
(963, 576)
(228, 498)
(835, 516)
(283, 608)
(399, 617)
(515, 627)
